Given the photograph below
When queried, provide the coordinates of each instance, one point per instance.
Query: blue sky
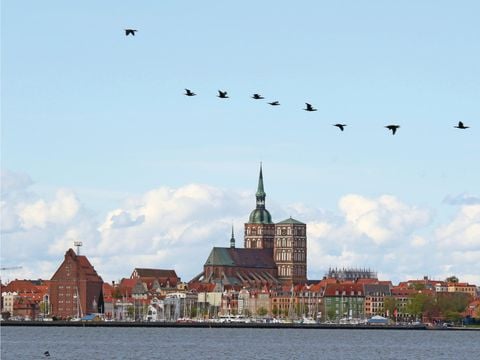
(101, 118)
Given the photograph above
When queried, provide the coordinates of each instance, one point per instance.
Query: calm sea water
(180, 343)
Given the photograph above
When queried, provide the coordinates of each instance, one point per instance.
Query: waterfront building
(343, 302)
(465, 288)
(180, 305)
(157, 280)
(375, 299)
(26, 299)
(75, 288)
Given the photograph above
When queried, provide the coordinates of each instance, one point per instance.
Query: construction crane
(11, 268)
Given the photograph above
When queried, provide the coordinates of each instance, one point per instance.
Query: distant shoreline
(114, 324)
(213, 325)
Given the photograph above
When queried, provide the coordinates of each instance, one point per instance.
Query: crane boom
(11, 268)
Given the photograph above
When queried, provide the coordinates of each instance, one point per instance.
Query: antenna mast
(78, 245)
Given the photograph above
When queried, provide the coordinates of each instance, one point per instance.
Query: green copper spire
(260, 215)
(232, 240)
(260, 195)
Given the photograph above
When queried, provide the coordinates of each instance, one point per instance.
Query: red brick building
(75, 288)
(273, 254)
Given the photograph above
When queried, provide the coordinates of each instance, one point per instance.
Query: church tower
(290, 252)
(260, 230)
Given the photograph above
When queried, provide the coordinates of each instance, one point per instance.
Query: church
(273, 253)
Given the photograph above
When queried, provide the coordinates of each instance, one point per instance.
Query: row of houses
(159, 295)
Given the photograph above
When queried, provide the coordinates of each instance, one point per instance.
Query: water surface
(205, 343)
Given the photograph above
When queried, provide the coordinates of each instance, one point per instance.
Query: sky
(99, 144)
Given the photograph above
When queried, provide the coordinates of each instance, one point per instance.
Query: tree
(44, 307)
(275, 310)
(453, 316)
(417, 286)
(130, 311)
(331, 313)
(419, 304)
(193, 312)
(389, 305)
(262, 311)
(452, 279)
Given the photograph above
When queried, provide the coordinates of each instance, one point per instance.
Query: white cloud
(418, 241)
(382, 219)
(177, 227)
(463, 232)
(61, 210)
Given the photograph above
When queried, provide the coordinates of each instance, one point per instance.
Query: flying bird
(393, 128)
(188, 92)
(461, 126)
(309, 107)
(222, 94)
(46, 353)
(130, 32)
(340, 126)
(257, 97)
(274, 103)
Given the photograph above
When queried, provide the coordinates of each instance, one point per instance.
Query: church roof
(291, 221)
(153, 273)
(260, 216)
(247, 258)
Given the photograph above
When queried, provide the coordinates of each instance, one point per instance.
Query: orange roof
(24, 286)
(332, 289)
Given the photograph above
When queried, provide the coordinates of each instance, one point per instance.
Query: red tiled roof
(344, 288)
(24, 286)
(154, 273)
(201, 287)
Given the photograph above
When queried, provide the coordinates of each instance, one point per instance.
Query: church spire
(232, 240)
(260, 195)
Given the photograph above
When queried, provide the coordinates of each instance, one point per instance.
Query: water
(186, 343)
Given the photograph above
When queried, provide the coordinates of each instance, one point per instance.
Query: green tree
(44, 307)
(452, 302)
(193, 312)
(130, 311)
(389, 305)
(331, 313)
(453, 316)
(275, 310)
(417, 286)
(419, 304)
(262, 311)
(452, 279)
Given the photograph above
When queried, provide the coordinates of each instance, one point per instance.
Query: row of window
(286, 270)
(286, 255)
(279, 231)
(297, 243)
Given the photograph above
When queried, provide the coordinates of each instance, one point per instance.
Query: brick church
(273, 253)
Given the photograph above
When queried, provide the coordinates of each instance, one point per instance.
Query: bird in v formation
(130, 32)
(461, 126)
(222, 94)
(309, 107)
(393, 128)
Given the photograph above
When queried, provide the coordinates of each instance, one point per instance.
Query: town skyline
(99, 144)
